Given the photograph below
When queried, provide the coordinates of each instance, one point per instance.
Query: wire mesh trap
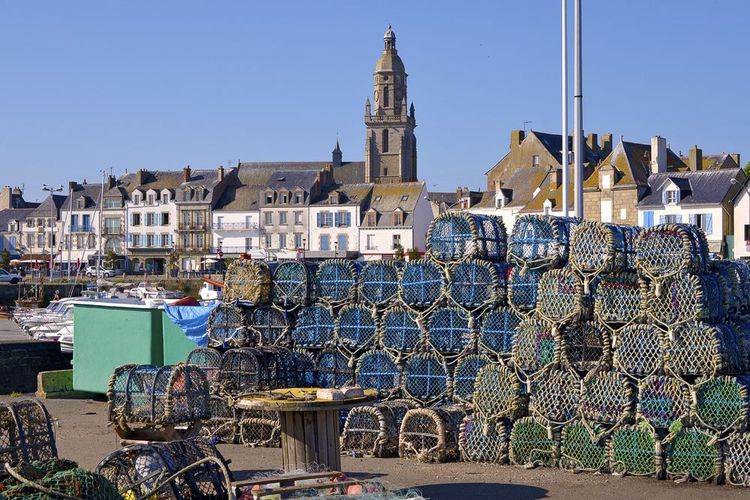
(208, 360)
(332, 369)
(422, 284)
(480, 440)
(499, 394)
(523, 288)
(668, 249)
(426, 377)
(693, 454)
(400, 331)
(227, 326)
(498, 331)
(179, 470)
(560, 297)
(532, 441)
(314, 328)
(585, 345)
(536, 347)
(373, 430)
(454, 236)
(662, 400)
(55, 478)
(639, 350)
(540, 241)
(305, 361)
(26, 432)
(599, 247)
(250, 369)
(731, 276)
(431, 434)
(617, 298)
(634, 450)
(158, 395)
(270, 325)
(474, 284)
(336, 281)
(555, 395)
(221, 425)
(247, 281)
(293, 283)
(378, 283)
(450, 329)
(607, 397)
(258, 428)
(378, 370)
(721, 403)
(700, 349)
(684, 298)
(355, 328)
(737, 459)
(583, 448)
(464, 376)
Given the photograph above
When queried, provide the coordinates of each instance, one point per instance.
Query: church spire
(337, 155)
(389, 39)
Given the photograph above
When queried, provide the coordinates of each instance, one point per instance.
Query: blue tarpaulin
(193, 320)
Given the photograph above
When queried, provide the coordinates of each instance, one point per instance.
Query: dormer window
(165, 197)
(500, 201)
(398, 218)
(535, 161)
(269, 198)
(151, 199)
(606, 181)
(186, 195)
(378, 198)
(547, 206)
(80, 203)
(298, 198)
(136, 199)
(333, 199)
(372, 218)
(284, 198)
(671, 197)
(405, 197)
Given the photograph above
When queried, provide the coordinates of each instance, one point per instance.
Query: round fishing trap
(431, 434)
(314, 328)
(741, 327)
(270, 325)
(684, 298)
(258, 428)
(474, 284)
(585, 345)
(221, 425)
(355, 328)
(523, 288)
(693, 454)
(560, 297)
(535, 346)
(498, 331)
(179, 470)
(532, 441)
(247, 281)
(737, 459)
(617, 298)
(227, 326)
(662, 400)
(599, 247)
(332, 370)
(247, 370)
(607, 397)
(499, 394)
(539, 241)
(208, 360)
(293, 283)
(378, 370)
(699, 349)
(158, 395)
(378, 283)
(634, 450)
(426, 377)
(730, 275)
(639, 350)
(373, 430)
(464, 376)
(26, 432)
(668, 249)
(721, 403)
(55, 478)
(583, 448)
(400, 331)
(422, 284)
(483, 441)
(555, 395)
(336, 281)
(450, 330)
(455, 236)
(305, 362)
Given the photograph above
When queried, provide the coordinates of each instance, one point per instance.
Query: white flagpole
(578, 117)
(565, 163)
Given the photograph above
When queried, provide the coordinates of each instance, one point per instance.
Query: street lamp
(52, 191)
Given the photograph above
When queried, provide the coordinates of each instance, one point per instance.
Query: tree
(5, 259)
(413, 254)
(398, 252)
(110, 259)
(747, 168)
(173, 260)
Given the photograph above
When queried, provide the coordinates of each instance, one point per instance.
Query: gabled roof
(696, 188)
(385, 198)
(351, 194)
(51, 203)
(553, 144)
(632, 161)
(10, 214)
(291, 179)
(89, 192)
(714, 162)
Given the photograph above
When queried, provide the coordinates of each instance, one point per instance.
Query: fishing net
(539, 241)
(26, 432)
(464, 376)
(227, 327)
(668, 249)
(454, 236)
(378, 370)
(639, 350)
(617, 298)
(332, 370)
(220, 427)
(583, 448)
(598, 247)
(450, 329)
(142, 471)
(400, 331)
(314, 328)
(372, 430)
(336, 281)
(634, 450)
(55, 478)
(699, 349)
(523, 288)
(422, 284)
(721, 403)
(248, 369)
(741, 327)
(431, 434)
(730, 275)
(737, 459)
(499, 394)
(607, 397)
(742, 267)
(662, 400)
(474, 284)
(426, 377)
(158, 395)
(693, 454)
(259, 428)
(560, 297)
(208, 360)
(270, 325)
(293, 283)
(555, 395)
(684, 298)
(305, 362)
(532, 441)
(378, 283)
(247, 281)
(483, 441)
(585, 345)
(355, 328)
(535, 347)
(498, 331)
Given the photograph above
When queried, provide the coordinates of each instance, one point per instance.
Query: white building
(235, 224)
(742, 222)
(335, 219)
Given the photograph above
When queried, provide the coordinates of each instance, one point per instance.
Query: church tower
(390, 144)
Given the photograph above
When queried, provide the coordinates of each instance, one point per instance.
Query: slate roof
(449, 199)
(50, 203)
(352, 172)
(350, 194)
(173, 180)
(714, 161)
(632, 161)
(696, 188)
(553, 144)
(291, 179)
(386, 198)
(90, 194)
(10, 214)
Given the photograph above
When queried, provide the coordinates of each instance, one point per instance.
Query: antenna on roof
(526, 122)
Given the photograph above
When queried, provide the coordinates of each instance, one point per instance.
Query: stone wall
(9, 293)
(20, 362)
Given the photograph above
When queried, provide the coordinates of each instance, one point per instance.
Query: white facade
(742, 225)
(235, 233)
(80, 237)
(334, 228)
(150, 229)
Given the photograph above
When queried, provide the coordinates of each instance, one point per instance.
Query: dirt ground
(83, 436)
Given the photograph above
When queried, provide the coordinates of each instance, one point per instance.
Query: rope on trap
(720, 404)
(607, 397)
(227, 327)
(523, 289)
(401, 333)
(426, 378)
(474, 284)
(431, 434)
(373, 430)
(583, 448)
(499, 394)
(663, 400)
(498, 331)
(378, 283)
(450, 330)
(270, 325)
(484, 441)
(247, 281)
(684, 298)
(617, 298)
(54, 478)
(464, 376)
(737, 459)
(540, 241)
(315, 327)
(561, 298)
(356, 329)
(555, 395)
(208, 360)
(639, 350)
(536, 347)
(635, 450)
(693, 454)
(332, 369)
(421, 285)
(534, 442)
(700, 349)
(377, 369)
(455, 236)
(585, 345)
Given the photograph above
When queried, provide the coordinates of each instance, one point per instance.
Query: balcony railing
(80, 228)
(112, 230)
(144, 245)
(192, 226)
(232, 250)
(236, 226)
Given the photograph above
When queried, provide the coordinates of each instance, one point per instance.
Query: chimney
(516, 138)
(6, 198)
(111, 182)
(72, 185)
(555, 180)
(736, 158)
(696, 159)
(593, 142)
(186, 174)
(658, 155)
(221, 173)
(606, 144)
(140, 177)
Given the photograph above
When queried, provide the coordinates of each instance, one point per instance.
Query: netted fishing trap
(422, 284)
(607, 397)
(583, 448)
(721, 403)
(534, 441)
(431, 434)
(336, 281)
(450, 330)
(250, 369)
(536, 346)
(540, 241)
(26, 432)
(373, 430)
(663, 400)
(377, 369)
(693, 454)
(305, 361)
(560, 297)
(356, 329)
(598, 247)
(475, 284)
(378, 283)
(454, 236)
(426, 377)
(222, 424)
(585, 345)
(617, 299)
(683, 298)
(737, 459)
(270, 325)
(247, 281)
(208, 360)
(696, 349)
(523, 289)
(498, 331)
(400, 332)
(665, 250)
(259, 428)
(315, 327)
(499, 394)
(333, 369)
(227, 326)
(731, 276)
(635, 450)
(464, 376)
(480, 440)
(54, 478)
(555, 395)
(639, 350)
(293, 283)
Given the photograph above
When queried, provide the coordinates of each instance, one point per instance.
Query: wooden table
(309, 426)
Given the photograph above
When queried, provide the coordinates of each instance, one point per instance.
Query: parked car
(92, 271)
(6, 277)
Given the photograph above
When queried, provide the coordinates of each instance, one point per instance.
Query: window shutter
(648, 219)
(318, 218)
(709, 224)
(692, 219)
(664, 197)
(661, 219)
(348, 219)
(337, 217)
(678, 219)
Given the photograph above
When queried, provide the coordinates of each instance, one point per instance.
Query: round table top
(300, 399)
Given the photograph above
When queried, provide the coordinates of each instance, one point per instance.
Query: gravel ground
(83, 436)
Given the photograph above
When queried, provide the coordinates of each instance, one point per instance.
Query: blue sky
(92, 85)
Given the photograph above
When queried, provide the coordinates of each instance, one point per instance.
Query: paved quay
(11, 332)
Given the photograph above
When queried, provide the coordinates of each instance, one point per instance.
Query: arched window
(385, 140)
(386, 96)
